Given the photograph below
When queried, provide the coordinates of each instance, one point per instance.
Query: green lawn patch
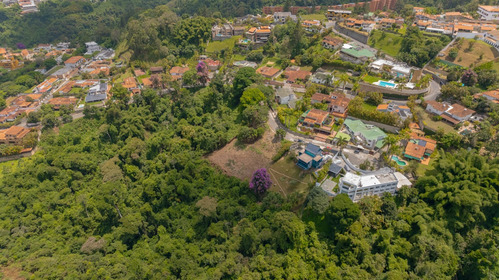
(289, 178)
(237, 57)
(370, 79)
(217, 46)
(387, 42)
(435, 125)
(402, 30)
(368, 107)
(422, 169)
(313, 17)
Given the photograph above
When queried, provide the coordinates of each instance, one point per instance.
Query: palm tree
(390, 140)
(355, 87)
(342, 142)
(344, 79)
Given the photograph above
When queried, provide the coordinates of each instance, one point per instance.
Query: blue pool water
(399, 162)
(387, 84)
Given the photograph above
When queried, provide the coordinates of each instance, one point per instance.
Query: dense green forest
(126, 193)
(104, 21)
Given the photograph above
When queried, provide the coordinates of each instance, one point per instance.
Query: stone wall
(353, 34)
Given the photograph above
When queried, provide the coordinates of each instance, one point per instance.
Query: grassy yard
(477, 54)
(237, 57)
(389, 43)
(369, 107)
(424, 168)
(370, 79)
(435, 125)
(217, 46)
(123, 77)
(313, 17)
(402, 30)
(289, 178)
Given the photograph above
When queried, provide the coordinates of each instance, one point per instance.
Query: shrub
(285, 147)
(250, 135)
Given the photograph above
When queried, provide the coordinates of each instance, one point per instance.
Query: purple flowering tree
(20, 46)
(261, 182)
(202, 71)
(469, 78)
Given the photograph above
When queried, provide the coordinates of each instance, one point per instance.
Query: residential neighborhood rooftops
(438, 105)
(73, 60)
(489, 8)
(460, 111)
(268, 71)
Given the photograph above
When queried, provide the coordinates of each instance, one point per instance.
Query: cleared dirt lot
(241, 161)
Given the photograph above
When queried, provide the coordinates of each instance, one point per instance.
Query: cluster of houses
(27, 6)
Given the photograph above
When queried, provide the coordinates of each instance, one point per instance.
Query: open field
(313, 17)
(472, 52)
(289, 178)
(241, 161)
(217, 46)
(389, 43)
(435, 125)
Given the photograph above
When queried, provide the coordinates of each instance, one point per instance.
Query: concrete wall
(386, 127)
(15, 157)
(353, 34)
(366, 87)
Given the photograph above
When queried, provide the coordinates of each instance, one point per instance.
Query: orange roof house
(129, 83)
(13, 135)
(419, 148)
(57, 102)
(268, 72)
(491, 95)
(177, 71)
(75, 60)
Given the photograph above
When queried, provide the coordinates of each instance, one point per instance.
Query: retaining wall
(353, 34)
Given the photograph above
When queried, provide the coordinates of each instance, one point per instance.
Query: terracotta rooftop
(438, 105)
(460, 111)
(489, 8)
(320, 97)
(73, 60)
(267, 71)
(415, 150)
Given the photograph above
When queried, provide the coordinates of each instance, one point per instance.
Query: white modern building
(394, 68)
(280, 17)
(359, 186)
(488, 12)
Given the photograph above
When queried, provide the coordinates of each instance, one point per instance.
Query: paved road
(273, 125)
(434, 92)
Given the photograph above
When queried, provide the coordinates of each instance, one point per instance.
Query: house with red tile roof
(74, 61)
(268, 72)
(177, 71)
(13, 135)
(491, 95)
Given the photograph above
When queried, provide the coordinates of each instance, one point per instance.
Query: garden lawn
(368, 107)
(390, 43)
(370, 79)
(435, 125)
(288, 177)
(217, 46)
(313, 17)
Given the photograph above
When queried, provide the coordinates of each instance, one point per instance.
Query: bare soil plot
(241, 161)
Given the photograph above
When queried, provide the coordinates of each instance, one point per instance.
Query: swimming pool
(386, 84)
(398, 161)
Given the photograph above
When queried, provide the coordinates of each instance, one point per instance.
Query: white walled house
(359, 186)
